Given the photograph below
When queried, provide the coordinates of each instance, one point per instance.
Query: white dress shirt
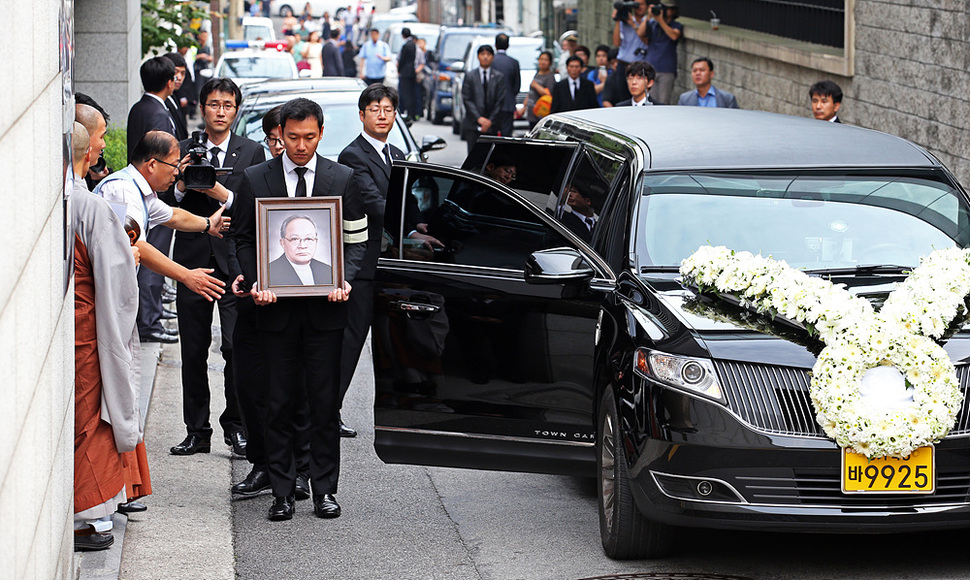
(291, 178)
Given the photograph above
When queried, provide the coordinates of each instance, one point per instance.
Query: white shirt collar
(157, 98)
(377, 144)
(304, 272)
(289, 165)
(140, 181)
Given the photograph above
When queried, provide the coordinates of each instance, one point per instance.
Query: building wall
(907, 76)
(108, 53)
(36, 314)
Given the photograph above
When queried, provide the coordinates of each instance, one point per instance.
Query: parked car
(450, 49)
(530, 343)
(392, 36)
(252, 66)
(338, 98)
(383, 20)
(525, 49)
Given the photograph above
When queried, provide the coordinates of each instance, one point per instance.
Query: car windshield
(257, 32)
(813, 222)
(255, 67)
(341, 125)
(454, 45)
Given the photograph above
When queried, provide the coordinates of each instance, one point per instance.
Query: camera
(199, 174)
(640, 52)
(100, 165)
(657, 9)
(623, 10)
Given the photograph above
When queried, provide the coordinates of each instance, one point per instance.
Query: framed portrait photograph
(299, 245)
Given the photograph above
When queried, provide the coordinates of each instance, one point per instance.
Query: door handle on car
(416, 307)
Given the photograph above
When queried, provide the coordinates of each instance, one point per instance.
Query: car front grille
(775, 399)
(824, 488)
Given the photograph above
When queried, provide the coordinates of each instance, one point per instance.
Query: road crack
(454, 524)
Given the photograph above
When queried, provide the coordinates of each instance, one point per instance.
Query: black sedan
(537, 340)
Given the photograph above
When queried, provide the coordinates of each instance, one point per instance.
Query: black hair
(574, 58)
(376, 93)
(548, 53)
(640, 68)
(602, 48)
(406, 32)
(826, 89)
(710, 63)
(614, 53)
(177, 59)
(153, 144)
(486, 48)
(293, 218)
(584, 49)
(300, 109)
(271, 119)
(155, 73)
(335, 33)
(502, 41)
(82, 99)
(222, 85)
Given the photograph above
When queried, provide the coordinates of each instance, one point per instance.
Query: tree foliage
(165, 24)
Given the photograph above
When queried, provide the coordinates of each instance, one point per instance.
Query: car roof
(305, 85)
(272, 99)
(673, 137)
(249, 53)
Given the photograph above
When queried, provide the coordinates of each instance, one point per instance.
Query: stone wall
(108, 54)
(36, 310)
(905, 72)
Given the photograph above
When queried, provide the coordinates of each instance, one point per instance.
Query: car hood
(676, 324)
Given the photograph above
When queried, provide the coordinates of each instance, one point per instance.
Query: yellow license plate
(914, 474)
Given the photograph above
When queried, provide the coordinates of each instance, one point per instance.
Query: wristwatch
(208, 225)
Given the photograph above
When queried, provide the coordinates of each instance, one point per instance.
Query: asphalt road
(408, 522)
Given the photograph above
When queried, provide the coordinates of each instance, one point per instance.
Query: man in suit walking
(178, 115)
(220, 100)
(151, 113)
(509, 67)
(573, 92)
(301, 337)
(333, 62)
(407, 84)
(370, 156)
(704, 93)
(482, 94)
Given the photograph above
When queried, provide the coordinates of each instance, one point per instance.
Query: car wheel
(286, 10)
(626, 534)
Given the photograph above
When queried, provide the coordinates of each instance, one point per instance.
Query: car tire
(286, 10)
(625, 533)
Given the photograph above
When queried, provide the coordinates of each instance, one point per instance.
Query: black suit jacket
(477, 103)
(266, 180)
(148, 114)
(576, 225)
(181, 127)
(562, 100)
(405, 60)
(281, 273)
(192, 249)
(509, 67)
(333, 62)
(629, 102)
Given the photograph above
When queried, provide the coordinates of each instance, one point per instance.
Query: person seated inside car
(578, 214)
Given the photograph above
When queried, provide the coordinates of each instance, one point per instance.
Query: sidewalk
(187, 530)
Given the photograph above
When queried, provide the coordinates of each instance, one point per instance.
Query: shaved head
(80, 143)
(94, 122)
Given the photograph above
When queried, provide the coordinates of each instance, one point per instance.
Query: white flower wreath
(882, 386)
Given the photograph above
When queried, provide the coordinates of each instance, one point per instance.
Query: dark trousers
(300, 351)
(410, 97)
(252, 386)
(150, 285)
(195, 337)
(503, 123)
(360, 316)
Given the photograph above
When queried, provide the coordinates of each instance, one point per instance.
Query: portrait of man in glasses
(298, 266)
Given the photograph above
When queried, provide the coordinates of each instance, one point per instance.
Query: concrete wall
(36, 315)
(904, 71)
(108, 53)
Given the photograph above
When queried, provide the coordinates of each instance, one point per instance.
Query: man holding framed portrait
(300, 327)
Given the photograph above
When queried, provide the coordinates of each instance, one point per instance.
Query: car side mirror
(457, 66)
(557, 266)
(432, 143)
(206, 72)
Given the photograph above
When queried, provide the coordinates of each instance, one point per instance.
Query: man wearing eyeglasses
(219, 101)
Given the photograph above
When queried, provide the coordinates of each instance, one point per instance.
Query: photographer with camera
(627, 17)
(661, 32)
(213, 164)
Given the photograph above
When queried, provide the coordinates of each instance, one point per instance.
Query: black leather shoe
(88, 540)
(159, 337)
(168, 288)
(255, 483)
(169, 314)
(191, 445)
(346, 431)
(302, 486)
(131, 507)
(168, 298)
(325, 506)
(237, 441)
(282, 509)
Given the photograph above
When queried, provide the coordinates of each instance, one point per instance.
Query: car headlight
(694, 375)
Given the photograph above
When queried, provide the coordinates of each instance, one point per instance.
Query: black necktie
(387, 154)
(214, 159)
(301, 182)
(485, 81)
